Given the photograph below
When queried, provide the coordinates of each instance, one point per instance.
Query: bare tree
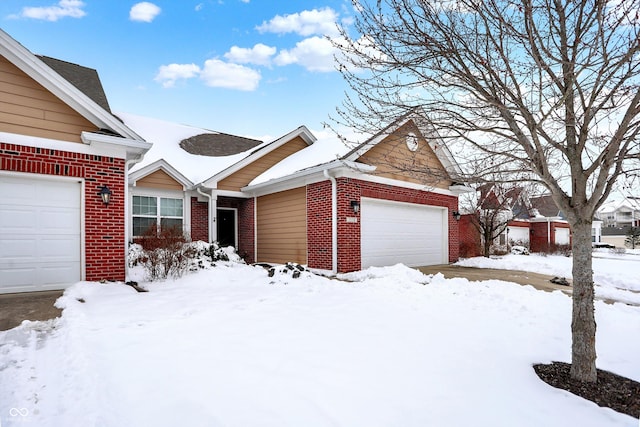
(491, 207)
(545, 89)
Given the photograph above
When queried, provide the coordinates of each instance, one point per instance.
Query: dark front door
(226, 226)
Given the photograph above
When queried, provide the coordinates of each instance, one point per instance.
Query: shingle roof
(217, 144)
(83, 78)
(546, 206)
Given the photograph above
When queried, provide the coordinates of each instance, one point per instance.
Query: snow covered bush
(164, 254)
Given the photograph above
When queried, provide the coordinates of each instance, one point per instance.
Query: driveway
(14, 308)
(538, 281)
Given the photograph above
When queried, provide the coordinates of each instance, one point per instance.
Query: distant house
(535, 222)
(296, 199)
(61, 151)
(622, 212)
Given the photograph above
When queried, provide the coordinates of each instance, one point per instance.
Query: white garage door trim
(64, 267)
(397, 232)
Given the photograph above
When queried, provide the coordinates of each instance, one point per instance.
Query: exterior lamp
(105, 194)
(355, 205)
(456, 215)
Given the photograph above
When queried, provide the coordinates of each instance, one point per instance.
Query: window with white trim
(150, 210)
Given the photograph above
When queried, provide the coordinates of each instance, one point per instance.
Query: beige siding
(27, 108)
(244, 176)
(159, 179)
(282, 227)
(394, 160)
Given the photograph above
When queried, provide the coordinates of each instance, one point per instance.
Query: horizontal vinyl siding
(282, 227)
(27, 108)
(244, 176)
(159, 179)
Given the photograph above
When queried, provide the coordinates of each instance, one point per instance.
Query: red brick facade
(348, 189)
(470, 241)
(199, 220)
(104, 225)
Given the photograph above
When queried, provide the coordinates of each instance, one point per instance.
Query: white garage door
(562, 236)
(40, 233)
(395, 232)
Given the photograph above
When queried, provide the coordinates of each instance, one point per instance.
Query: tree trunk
(583, 323)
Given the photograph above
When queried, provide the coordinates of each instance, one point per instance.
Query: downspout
(209, 213)
(127, 221)
(334, 221)
(548, 234)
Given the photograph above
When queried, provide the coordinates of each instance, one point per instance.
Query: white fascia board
(302, 132)
(311, 175)
(119, 150)
(135, 147)
(548, 219)
(460, 189)
(166, 167)
(31, 65)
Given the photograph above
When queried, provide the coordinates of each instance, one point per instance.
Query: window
(146, 213)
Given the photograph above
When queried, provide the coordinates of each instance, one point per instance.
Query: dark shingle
(217, 144)
(84, 79)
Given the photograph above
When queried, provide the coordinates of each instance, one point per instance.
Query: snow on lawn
(229, 346)
(616, 276)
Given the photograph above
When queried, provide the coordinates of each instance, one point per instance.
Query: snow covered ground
(229, 346)
(616, 276)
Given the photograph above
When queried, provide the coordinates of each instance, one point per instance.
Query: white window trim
(155, 192)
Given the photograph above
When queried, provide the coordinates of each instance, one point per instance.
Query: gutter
(210, 216)
(334, 221)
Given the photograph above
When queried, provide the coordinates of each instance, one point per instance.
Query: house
(532, 221)
(62, 153)
(619, 213)
(391, 199)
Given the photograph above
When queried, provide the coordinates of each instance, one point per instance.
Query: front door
(226, 226)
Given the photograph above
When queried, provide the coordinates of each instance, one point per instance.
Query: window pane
(141, 225)
(143, 205)
(167, 223)
(171, 207)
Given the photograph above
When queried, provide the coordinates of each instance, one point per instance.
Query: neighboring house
(615, 236)
(618, 213)
(536, 222)
(60, 147)
(296, 199)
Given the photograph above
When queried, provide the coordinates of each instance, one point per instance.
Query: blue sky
(248, 67)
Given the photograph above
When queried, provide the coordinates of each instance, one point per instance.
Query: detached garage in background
(63, 162)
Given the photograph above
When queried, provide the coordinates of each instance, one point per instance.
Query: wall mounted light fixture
(105, 194)
(355, 205)
(456, 215)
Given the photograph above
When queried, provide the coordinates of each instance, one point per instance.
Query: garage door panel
(40, 233)
(395, 232)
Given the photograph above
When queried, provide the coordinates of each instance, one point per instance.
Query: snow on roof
(615, 204)
(326, 149)
(166, 138)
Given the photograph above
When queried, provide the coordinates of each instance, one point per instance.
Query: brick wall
(104, 225)
(319, 219)
(470, 240)
(199, 220)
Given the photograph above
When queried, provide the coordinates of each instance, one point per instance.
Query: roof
(83, 78)
(545, 206)
(64, 89)
(628, 203)
(204, 158)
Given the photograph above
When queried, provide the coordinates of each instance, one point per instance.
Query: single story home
(63, 174)
(392, 199)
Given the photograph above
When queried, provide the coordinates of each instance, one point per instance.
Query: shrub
(164, 254)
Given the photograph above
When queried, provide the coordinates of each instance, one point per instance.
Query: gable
(248, 173)
(159, 179)
(393, 159)
(28, 108)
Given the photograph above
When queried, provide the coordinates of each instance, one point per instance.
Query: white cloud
(64, 8)
(308, 22)
(169, 74)
(217, 73)
(144, 12)
(199, 7)
(260, 54)
(314, 54)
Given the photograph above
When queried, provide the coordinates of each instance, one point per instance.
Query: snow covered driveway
(230, 346)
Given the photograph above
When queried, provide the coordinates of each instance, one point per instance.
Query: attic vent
(217, 144)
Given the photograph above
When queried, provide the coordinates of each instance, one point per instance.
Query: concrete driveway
(14, 308)
(538, 281)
